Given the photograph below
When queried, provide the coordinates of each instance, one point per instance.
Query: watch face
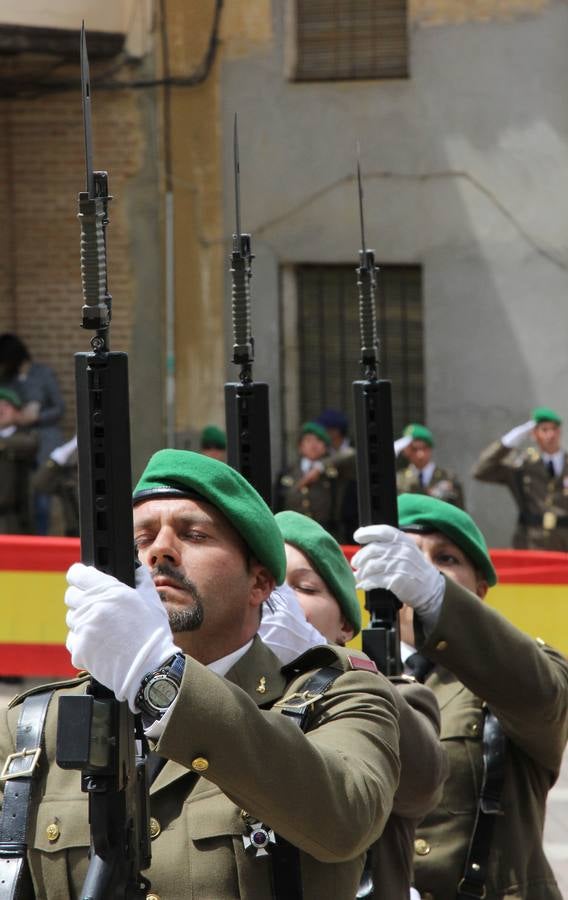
(161, 692)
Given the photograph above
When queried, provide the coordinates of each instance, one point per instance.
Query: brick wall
(41, 173)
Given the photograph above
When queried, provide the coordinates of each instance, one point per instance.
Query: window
(326, 345)
(344, 40)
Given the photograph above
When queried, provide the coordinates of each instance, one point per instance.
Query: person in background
(343, 458)
(537, 478)
(422, 475)
(309, 485)
(213, 443)
(58, 477)
(319, 574)
(18, 448)
(503, 698)
(42, 407)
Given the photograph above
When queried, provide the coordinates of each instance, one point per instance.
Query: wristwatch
(160, 688)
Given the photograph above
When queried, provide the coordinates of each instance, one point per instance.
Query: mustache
(176, 577)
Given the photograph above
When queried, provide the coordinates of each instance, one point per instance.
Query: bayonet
(237, 178)
(87, 121)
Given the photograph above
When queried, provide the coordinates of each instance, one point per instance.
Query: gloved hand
(284, 627)
(391, 560)
(402, 443)
(116, 632)
(516, 436)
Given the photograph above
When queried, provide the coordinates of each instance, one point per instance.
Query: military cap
(333, 418)
(213, 436)
(318, 430)
(11, 397)
(183, 473)
(419, 512)
(327, 558)
(419, 433)
(545, 414)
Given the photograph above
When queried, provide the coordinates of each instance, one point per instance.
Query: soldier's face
(451, 560)
(548, 436)
(320, 606)
(312, 447)
(211, 591)
(419, 453)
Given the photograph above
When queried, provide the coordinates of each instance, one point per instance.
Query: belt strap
(472, 885)
(285, 858)
(18, 776)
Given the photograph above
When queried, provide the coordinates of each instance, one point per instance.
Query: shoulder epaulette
(345, 658)
(49, 686)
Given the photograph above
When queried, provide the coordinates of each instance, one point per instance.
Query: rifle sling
(472, 884)
(19, 776)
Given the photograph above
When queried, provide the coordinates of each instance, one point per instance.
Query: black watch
(160, 688)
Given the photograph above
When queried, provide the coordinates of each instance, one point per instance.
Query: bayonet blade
(360, 186)
(86, 95)
(237, 178)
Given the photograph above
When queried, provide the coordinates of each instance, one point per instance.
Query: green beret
(11, 396)
(327, 558)
(182, 472)
(213, 436)
(545, 414)
(421, 512)
(318, 430)
(419, 433)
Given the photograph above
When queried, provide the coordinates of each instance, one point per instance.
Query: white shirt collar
(222, 666)
(427, 472)
(8, 431)
(557, 460)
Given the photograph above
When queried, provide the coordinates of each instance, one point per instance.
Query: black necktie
(419, 666)
(550, 467)
(421, 480)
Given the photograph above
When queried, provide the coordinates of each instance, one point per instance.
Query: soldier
(342, 457)
(213, 442)
(309, 485)
(537, 479)
(320, 575)
(18, 448)
(213, 553)
(503, 699)
(423, 475)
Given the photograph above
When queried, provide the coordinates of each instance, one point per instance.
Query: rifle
(247, 413)
(376, 475)
(97, 734)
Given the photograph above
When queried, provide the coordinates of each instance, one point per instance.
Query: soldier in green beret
(18, 449)
(238, 774)
(503, 698)
(213, 442)
(422, 475)
(317, 570)
(537, 478)
(309, 486)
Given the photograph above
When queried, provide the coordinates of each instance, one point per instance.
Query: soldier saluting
(422, 475)
(537, 478)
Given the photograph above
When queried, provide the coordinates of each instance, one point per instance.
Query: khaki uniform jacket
(443, 485)
(329, 792)
(536, 494)
(481, 658)
(316, 500)
(423, 770)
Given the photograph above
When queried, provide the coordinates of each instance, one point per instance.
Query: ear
(481, 589)
(262, 583)
(346, 631)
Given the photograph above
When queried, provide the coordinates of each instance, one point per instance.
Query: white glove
(117, 633)
(62, 454)
(516, 436)
(402, 443)
(391, 560)
(284, 627)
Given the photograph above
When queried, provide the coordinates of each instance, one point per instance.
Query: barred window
(328, 341)
(343, 40)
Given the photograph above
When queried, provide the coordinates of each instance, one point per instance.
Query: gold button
(199, 764)
(473, 728)
(244, 814)
(422, 847)
(52, 832)
(442, 645)
(540, 642)
(155, 827)
(153, 897)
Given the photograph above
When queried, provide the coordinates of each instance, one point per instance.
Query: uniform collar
(427, 472)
